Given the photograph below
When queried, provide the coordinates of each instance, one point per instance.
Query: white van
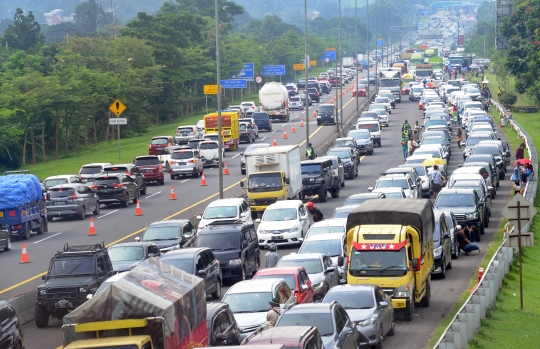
(374, 129)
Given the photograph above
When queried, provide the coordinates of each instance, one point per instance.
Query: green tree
(86, 14)
(226, 11)
(25, 33)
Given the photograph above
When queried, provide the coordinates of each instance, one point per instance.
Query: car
(194, 143)
(328, 226)
(403, 181)
(383, 104)
(170, 234)
(338, 168)
(221, 325)
(235, 245)
(347, 142)
(388, 94)
(322, 272)
(318, 178)
(357, 199)
(297, 279)
(382, 117)
(343, 211)
(53, 181)
(248, 301)
(331, 320)
(89, 172)
(11, 335)
(293, 337)
(411, 171)
(482, 168)
(284, 223)
(473, 140)
(331, 245)
(238, 109)
(131, 170)
(363, 139)
(166, 153)
(185, 162)
(200, 126)
(296, 103)
(325, 114)
(302, 97)
(495, 151)
(374, 129)
(158, 143)
(249, 108)
(198, 261)
(74, 199)
(209, 152)
(262, 120)
(391, 192)
(325, 86)
(452, 224)
(360, 91)
(442, 245)
(186, 133)
(314, 94)
(369, 308)
(233, 209)
(349, 158)
(251, 120)
(151, 168)
(481, 188)
(116, 188)
(291, 87)
(249, 149)
(128, 255)
(247, 132)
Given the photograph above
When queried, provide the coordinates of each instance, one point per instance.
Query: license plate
(148, 170)
(277, 237)
(104, 190)
(60, 203)
(181, 163)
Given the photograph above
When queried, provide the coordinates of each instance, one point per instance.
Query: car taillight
(117, 185)
(193, 161)
(94, 186)
(172, 162)
(150, 146)
(72, 197)
(160, 168)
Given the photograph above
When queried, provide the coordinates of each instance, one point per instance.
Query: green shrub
(508, 98)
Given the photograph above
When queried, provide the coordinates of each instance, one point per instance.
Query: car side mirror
(383, 304)
(201, 273)
(199, 217)
(414, 264)
(84, 181)
(137, 239)
(446, 236)
(221, 337)
(340, 261)
(304, 288)
(241, 184)
(258, 220)
(151, 255)
(370, 189)
(498, 138)
(43, 277)
(330, 269)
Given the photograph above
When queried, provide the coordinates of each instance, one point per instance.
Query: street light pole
(306, 65)
(341, 73)
(355, 86)
(218, 79)
(367, 45)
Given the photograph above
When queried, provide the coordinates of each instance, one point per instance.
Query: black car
(247, 132)
(221, 325)
(348, 142)
(170, 235)
(116, 188)
(466, 206)
(325, 114)
(442, 244)
(364, 141)
(74, 273)
(199, 261)
(496, 170)
(131, 170)
(314, 94)
(262, 120)
(318, 178)
(5, 240)
(235, 245)
(11, 336)
(128, 255)
(349, 158)
(452, 223)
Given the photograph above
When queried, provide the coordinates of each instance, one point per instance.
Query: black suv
(325, 114)
(116, 188)
(11, 336)
(314, 94)
(132, 171)
(73, 274)
(466, 205)
(235, 245)
(442, 244)
(318, 178)
(170, 235)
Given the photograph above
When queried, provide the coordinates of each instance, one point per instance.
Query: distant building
(55, 17)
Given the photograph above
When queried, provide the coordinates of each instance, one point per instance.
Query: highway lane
(115, 223)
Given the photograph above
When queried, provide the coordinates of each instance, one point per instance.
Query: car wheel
(380, 345)
(50, 218)
(392, 329)
(217, 293)
(335, 191)
(343, 183)
(356, 171)
(41, 229)
(370, 153)
(455, 255)
(162, 182)
(125, 203)
(323, 195)
(248, 140)
(143, 190)
(449, 265)
(196, 174)
(82, 215)
(425, 301)
(28, 230)
(8, 244)
(243, 172)
(136, 198)
(257, 266)
(443, 272)
(173, 177)
(41, 316)
(486, 221)
(97, 210)
(409, 312)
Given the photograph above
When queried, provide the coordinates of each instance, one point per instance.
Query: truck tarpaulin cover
(414, 212)
(19, 190)
(151, 289)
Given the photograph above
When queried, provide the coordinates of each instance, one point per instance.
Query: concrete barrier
(24, 306)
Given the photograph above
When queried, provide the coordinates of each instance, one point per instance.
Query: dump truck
(390, 244)
(390, 79)
(406, 55)
(436, 62)
(402, 66)
(155, 305)
(230, 133)
(274, 99)
(423, 71)
(273, 174)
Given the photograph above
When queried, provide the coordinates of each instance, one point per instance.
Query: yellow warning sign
(313, 63)
(117, 107)
(299, 66)
(212, 89)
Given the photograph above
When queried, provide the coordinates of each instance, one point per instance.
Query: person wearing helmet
(315, 212)
(310, 152)
(271, 257)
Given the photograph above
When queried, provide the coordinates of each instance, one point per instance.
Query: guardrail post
(468, 319)
(449, 337)
(481, 300)
(463, 330)
(474, 308)
(489, 286)
(493, 276)
(458, 342)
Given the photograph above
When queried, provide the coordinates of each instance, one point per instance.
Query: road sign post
(117, 107)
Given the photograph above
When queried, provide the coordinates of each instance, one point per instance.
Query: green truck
(437, 62)
(431, 52)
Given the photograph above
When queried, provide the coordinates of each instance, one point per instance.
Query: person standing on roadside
(412, 146)
(459, 137)
(437, 181)
(520, 152)
(271, 257)
(465, 244)
(273, 314)
(404, 146)
(310, 152)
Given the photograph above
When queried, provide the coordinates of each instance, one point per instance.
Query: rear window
(160, 141)
(149, 161)
(61, 192)
(106, 181)
(295, 99)
(115, 169)
(91, 169)
(290, 88)
(208, 146)
(54, 182)
(181, 129)
(182, 155)
(369, 115)
(259, 116)
(371, 127)
(193, 143)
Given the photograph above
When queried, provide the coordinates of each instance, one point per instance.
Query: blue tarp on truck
(19, 190)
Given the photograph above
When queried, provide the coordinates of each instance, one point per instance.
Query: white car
(397, 180)
(249, 108)
(331, 245)
(283, 223)
(233, 209)
(328, 226)
(391, 192)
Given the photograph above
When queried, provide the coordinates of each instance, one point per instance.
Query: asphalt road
(121, 224)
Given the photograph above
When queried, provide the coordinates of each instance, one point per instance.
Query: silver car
(331, 245)
(74, 199)
(186, 133)
(296, 103)
(185, 162)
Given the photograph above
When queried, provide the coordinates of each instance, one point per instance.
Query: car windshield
(294, 99)
(194, 143)
(357, 299)
(182, 264)
(432, 122)
(393, 194)
(434, 141)
(218, 212)
(344, 143)
(417, 89)
(54, 182)
(312, 168)
(279, 214)
(56, 193)
(147, 161)
(468, 185)
(208, 145)
(325, 109)
(377, 106)
(330, 248)
(399, 183)
(91, 169)
(264, 182)
(326, 230)
(126, 253)
(219, 241)
(160, 141)
(343, 154)
(473, 90)
(289, 279)
(243, 127)
(377, 259)
(168, 232)
(433, 152)
(74, 266)
(341, 214)
(381, 100)
(322, 321)
(371, 127)
(359, 135)
(454, 200)
(106, 181)
(486, 150)
(475, 140)
(356, 201)
(259, 116)
(248, 302)
(313, 266)
(179, 155)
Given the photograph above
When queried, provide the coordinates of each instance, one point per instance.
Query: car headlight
(317, 285)
(437, 252)
(237, 261)
(134, 265)
(170, 248)
(262, 231)
(294, 229)
(403, 291)
(368, 322)
(471, 215)
(82, 290)
(43, 292)
(251, 202)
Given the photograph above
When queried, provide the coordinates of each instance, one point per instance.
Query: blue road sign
(268, 70)
(236, 83)
(331, 55)
(248, 72)
(380, 42)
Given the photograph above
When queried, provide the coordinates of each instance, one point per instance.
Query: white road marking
(262, 139)
(281, 125)
(274, 131)
(47, 238)
(105, 215)
(238, 153)
(149, 196)
(185, 180)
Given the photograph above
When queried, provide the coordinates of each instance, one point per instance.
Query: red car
(151, 168)
(406, 89)
(360, 90)
(297, 279)
(157, 144)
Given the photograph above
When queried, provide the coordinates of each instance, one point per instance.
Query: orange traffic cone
(342, 93)
(293, 130)
(225, 169)
(315, 114)
(301, 123)
(92, 231)
(285, 134)
(275, 142)
(24, 257)
(331, 101)
(173, 194)
(138, 211)
(203, 180)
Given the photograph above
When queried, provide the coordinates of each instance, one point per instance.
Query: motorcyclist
(315, 212)
(310, 152)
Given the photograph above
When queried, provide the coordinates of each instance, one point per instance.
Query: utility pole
(306, 66)
(340, 100)
(355, 86)
(367, 45)
(218, 79)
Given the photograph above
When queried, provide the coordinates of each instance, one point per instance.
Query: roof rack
(225, 222)
(82, 249)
